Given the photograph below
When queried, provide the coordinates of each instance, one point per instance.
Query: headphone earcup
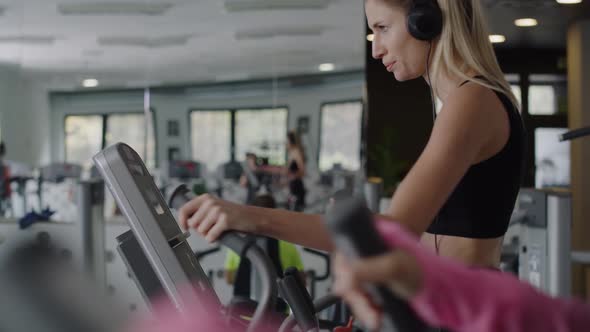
(425, 20)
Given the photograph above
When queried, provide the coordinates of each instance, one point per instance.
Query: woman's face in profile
(399, 52)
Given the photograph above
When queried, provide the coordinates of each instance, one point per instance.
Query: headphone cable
(433, 104)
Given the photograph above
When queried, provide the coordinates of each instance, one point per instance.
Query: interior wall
(176, 103)
(24, 117)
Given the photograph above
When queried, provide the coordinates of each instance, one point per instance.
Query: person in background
(250, 178)
(296, 170)
(282, 254)
(5, 191)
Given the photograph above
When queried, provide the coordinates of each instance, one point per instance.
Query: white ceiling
(191, 41)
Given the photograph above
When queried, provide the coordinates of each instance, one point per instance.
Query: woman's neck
(445, 84)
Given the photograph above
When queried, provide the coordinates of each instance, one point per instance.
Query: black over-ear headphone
(425, 19)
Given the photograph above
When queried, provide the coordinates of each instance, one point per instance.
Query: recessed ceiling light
(370, 37)
(497, 38)
(569, 2)
(326, 67)
(526, 22)
(90, 83)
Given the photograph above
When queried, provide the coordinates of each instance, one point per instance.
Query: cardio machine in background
(188, 172)
(538, 242)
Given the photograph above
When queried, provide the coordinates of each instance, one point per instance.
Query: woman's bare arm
(307, 230)
(211, 216)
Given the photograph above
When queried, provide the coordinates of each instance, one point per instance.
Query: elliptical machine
(161, 261)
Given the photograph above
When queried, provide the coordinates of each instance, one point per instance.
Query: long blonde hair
(464, 46)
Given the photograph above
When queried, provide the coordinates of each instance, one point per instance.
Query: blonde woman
(459, 195)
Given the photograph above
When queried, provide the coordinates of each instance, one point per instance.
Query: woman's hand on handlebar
(211, 216)
(396, 270)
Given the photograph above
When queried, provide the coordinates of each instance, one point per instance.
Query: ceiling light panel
(257, 5)
(114, 8)
(497, 39)
(308, 31)
(140, 41)
(526, 22)
(28, 40)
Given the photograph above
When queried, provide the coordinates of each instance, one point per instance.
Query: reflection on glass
(210, 137)
(262, 131)
(552, 158)
(83, 138)
(340, 141)
(131, 129)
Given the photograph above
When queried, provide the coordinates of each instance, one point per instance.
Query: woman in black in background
(296, 170)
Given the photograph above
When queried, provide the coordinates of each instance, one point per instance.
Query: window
(262, 131)
(83, 138)
(547, 94)
(131, 129)
(542, 100)
(211, 137)
(552, 158)
(340, 140)
(218, 136)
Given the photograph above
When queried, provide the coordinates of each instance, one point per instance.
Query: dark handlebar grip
(351, 225)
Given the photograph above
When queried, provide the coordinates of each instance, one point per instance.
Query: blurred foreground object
(41, 292)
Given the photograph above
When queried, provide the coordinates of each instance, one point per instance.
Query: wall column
(578, 63)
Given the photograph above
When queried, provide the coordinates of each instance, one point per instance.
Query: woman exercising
(460, 193)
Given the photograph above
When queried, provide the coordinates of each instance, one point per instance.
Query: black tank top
(293, 168)
(482, 203)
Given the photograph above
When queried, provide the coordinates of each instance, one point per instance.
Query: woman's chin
(402, 77)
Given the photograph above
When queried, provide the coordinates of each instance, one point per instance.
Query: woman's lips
(390, 66)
